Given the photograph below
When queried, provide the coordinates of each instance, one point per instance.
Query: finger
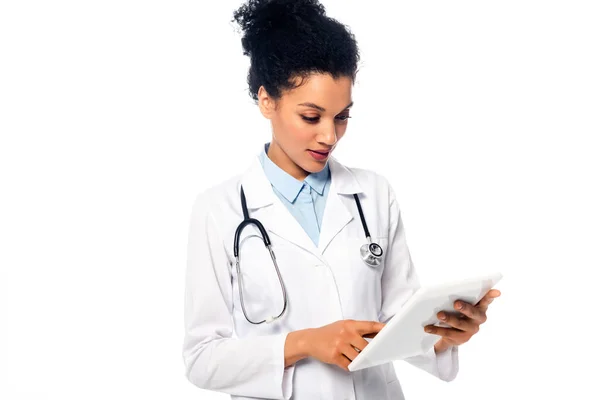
(488, 298)
(450, 333)
(342, 362)
(471, 311)
(462, 324)
(349, 351)
(359, 342)
(367, 327)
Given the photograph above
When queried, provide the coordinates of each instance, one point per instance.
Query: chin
(314, 166)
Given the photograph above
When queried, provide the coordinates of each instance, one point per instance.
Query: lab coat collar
(257, 187)
(288, 186)
(261, 199)
(343, 180)
(259, 192)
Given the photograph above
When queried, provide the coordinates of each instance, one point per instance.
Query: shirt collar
(286, 184)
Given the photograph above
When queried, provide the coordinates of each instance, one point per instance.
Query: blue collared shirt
(304, 199)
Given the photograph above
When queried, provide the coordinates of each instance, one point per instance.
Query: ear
(266, 103)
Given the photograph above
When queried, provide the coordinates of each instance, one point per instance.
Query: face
(308, 119)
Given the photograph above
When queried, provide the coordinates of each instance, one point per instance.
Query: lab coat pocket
(393, 388)
(261, 290)
(390, 373)
(359, 284)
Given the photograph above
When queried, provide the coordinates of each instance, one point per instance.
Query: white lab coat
(224, 352)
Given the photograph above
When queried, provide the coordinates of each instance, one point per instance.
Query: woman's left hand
(462, 327)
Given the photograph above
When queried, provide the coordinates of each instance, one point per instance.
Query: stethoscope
(370, 252)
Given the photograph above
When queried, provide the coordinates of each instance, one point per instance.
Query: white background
(483, 115)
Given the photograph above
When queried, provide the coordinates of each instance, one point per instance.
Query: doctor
(283, 321)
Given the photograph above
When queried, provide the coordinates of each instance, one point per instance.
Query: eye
(310, 119)
(313, 120)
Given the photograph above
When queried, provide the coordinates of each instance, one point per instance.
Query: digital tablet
(404, 335)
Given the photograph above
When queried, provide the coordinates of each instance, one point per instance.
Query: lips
(324, 152)
(318, 155)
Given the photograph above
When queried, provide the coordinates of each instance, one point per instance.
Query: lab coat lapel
(265, 206)
(337, 213)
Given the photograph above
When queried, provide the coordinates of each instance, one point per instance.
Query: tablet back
(404, 335)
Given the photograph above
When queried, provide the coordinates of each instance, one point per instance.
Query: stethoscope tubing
(370, 257)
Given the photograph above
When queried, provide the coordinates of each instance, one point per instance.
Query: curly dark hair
(286, 39)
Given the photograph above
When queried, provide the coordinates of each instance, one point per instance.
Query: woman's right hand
(335, 343)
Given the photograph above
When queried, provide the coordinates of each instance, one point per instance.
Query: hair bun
(285, 39)
(260, 18)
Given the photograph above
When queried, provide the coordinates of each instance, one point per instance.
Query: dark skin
(315, 116)
(464, 324)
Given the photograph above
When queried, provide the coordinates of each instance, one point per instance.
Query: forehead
(322, 90)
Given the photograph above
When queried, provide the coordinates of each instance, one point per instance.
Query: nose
(328, 137)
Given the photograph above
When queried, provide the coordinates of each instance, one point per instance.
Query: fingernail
(428, 330)
(460, 306)
(443, 316)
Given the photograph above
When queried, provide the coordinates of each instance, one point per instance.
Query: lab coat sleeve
(399, 282)
(213, 358)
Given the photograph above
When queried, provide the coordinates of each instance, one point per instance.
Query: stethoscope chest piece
(371, 254)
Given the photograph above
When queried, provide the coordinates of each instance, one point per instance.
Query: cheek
(340, 131)
(298, 133)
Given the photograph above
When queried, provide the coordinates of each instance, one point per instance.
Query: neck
(277, 155)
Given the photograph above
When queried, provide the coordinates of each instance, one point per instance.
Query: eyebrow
(313, 105)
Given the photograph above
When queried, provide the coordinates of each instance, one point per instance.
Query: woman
(288, 327)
